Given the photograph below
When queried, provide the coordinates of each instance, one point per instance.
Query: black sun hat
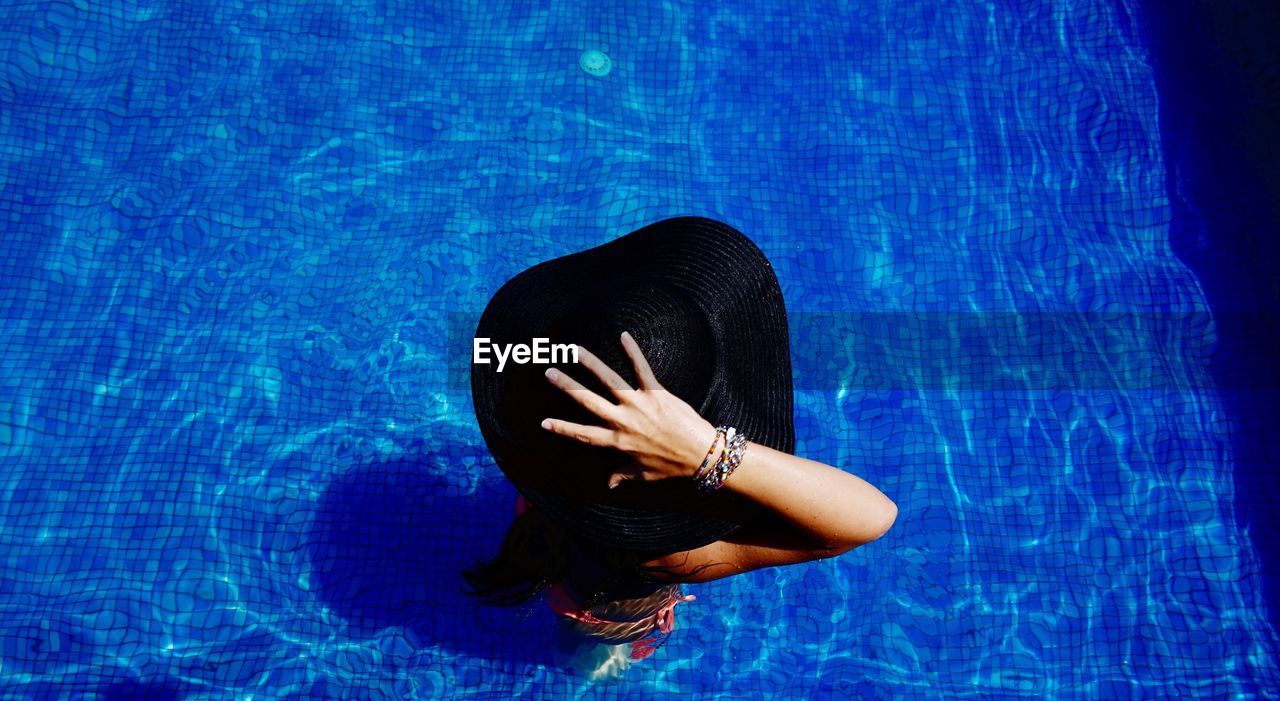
(705, 308)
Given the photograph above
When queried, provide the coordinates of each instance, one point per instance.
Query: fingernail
(626, 335)
(552, 374)
(546, 423)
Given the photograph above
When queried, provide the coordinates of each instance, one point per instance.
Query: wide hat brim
(727, 355)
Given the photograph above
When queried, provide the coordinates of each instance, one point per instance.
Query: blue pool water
(244, 242)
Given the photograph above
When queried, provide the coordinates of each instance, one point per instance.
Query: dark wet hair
(535, 553)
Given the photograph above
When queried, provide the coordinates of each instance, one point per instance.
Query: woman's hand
(663, 434)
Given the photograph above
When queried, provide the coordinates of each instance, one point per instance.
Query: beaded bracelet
(730, 458)
(733, 458)
(697, 474)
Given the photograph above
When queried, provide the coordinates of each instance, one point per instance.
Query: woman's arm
(813, 511)
(826, 510)
(767, 541)
(834, 508)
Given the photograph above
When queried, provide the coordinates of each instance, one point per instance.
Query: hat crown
(670, 329)
(705, 308)
(672, 333)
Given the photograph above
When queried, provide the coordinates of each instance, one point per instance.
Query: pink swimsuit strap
(563, 604)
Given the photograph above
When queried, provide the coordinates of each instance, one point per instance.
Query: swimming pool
(245, 244)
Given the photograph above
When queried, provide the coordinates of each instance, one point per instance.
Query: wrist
(706, 454)
(731, 446)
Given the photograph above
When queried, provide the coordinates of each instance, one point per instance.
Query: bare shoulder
(767, 541)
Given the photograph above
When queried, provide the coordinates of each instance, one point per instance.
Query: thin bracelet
(730, 458)
(706, 459)
(712, 477)
(733, 458)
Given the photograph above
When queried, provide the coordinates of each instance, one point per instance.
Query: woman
(627, 490)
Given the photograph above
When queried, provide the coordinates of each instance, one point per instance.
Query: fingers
(606, 374)
(591, 435)
(643, 372)
(628, 473)
(591, 401)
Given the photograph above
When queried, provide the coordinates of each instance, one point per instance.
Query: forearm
(835, 508)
